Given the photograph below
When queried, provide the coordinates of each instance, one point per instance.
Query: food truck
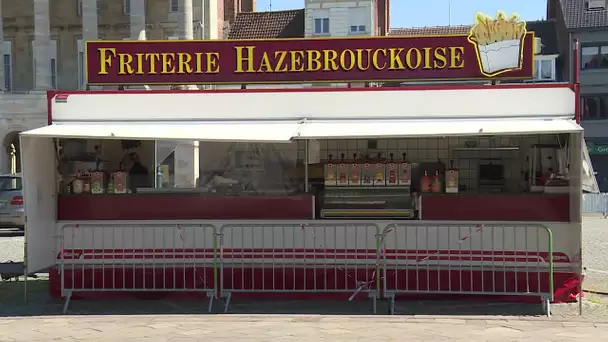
(319, 192)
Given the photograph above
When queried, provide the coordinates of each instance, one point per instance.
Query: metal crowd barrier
(328, 257)
(595, 203)
(299, 258)
(467, 259)
(137, 257)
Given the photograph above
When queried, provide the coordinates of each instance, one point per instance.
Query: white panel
(250, 131)
(295, 104)
(38, 165)
(419, 128)
(588, 181)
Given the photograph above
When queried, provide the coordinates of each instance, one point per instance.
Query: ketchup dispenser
(367, 177)
(451, 179)
(330, 172)
(436, 185)
(405, 171)
(354, 176)
(392, 170)
(342, 172)
(425, 183)
(380, 174)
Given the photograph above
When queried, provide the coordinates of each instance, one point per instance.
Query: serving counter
(495, 207)
(183, 206)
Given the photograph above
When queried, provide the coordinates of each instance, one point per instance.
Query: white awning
(419, 128)
(245, 131)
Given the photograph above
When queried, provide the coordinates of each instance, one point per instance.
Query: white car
(12, 213)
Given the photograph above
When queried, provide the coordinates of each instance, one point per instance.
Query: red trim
(308, 90)
(50, 94)
(182, 207)
(526, 207)
(312, 253)
(190, 278)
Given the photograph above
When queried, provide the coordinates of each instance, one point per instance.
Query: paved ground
(292, 328)
(459, 320)
(595, 250)
(11, 245)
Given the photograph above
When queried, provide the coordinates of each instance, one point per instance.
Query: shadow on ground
(12, 303)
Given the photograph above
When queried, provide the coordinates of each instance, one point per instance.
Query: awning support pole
(306, 166)
(576, 82)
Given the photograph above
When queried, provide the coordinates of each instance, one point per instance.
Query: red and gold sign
(455, 57)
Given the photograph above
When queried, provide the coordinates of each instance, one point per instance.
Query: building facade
(42, 47)
(587, 22)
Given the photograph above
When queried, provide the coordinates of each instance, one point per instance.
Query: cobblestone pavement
(292, 328)
(11, 245)
(595, 249)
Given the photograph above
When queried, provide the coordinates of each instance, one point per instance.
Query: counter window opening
(411, 178)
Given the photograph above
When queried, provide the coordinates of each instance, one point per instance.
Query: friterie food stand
(383, 192)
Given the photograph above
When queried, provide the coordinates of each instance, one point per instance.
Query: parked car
(12, 213)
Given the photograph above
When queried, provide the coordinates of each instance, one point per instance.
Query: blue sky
(415, 13)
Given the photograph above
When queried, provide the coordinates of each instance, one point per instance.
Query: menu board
(120, 182)
(97, 182)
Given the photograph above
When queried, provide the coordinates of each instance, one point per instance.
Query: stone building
(41, 44)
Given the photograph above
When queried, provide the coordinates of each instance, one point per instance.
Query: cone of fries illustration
(498, 42)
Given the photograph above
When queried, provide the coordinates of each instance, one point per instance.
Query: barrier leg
(210, 306)
(227, 305)
(68, 296)
(391, 304)
(374, 304)
(546, 303)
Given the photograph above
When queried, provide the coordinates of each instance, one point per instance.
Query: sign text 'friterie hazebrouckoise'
(498, 47)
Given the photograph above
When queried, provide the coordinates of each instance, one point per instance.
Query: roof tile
(270, 24)
(577, 15)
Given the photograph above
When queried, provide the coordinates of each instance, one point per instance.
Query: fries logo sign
(498, 42)
(497, 47)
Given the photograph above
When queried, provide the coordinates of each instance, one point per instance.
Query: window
(173, 6)
(594, 57)
(126, 7)
(81, 70)
(595, 107)
(8, 65)
(321, 26)
(357, 20)
(79, 7)
(544, 69)
(53, 65)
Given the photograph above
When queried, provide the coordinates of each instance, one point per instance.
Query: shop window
(544, 69)
(8, 65)
(595, 107)
(594, 57)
